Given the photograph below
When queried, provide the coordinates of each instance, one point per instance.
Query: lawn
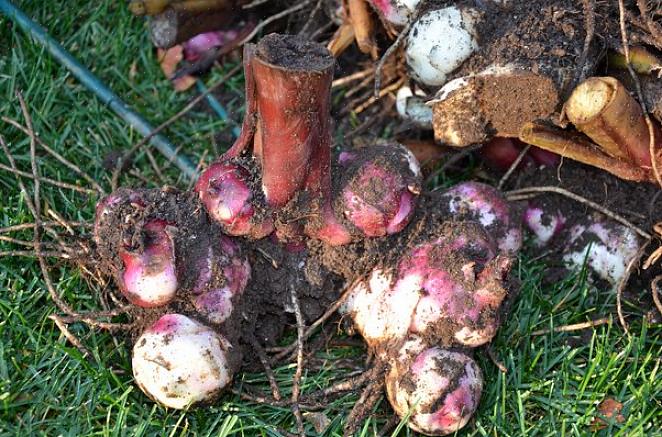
(554, 382)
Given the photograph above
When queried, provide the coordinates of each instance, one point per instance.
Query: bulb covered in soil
(109, 205)
(179, 362)
(222, 276)
(439, 41)
(379, 189)
(545, 224)
(448, 291)
(225, 192)
(481, 203)
(396, 12)
(149, 275)
(438, 390)
(606, 246)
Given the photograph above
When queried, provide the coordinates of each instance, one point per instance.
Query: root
(34, 205)
(364, 405)
(323, 318)
(387, 54)
(656, 293)
(56, 155)
(634, 262)
(346, 385)
(574, 327)
(259, 350)
(490, 353)
(69, 336)
(654, 28)
(296, 387)
(513, 166)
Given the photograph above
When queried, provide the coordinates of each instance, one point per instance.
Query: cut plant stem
(580, 149)
(602, 108)
(469, 110)
(287, 123)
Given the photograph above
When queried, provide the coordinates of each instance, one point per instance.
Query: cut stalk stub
(286, 130)
(470, 110)
(602, 108)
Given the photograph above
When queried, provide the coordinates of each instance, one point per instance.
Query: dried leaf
(169, 59)
(609, 409)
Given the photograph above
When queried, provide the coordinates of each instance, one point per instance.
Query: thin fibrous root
(574, 327)
(259, 350)
(69, 335)
(296, 381)
(634, 262)
(346, 385)
(655, 289)
(268, 400)
(387, 54)
(56, 155)
(323, 318)
(364, 405)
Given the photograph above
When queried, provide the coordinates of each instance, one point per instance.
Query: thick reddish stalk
(287, 124)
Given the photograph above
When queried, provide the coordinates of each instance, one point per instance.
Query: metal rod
(89, 80)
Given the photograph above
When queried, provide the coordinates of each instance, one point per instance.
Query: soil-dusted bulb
(224, 190)
(543, 222)
(500, 153)
(396, 12)
(379, 189)
(606, 246)
(484, 204)
(179, 362)
(461, 287)
(439, 41)
(411, 107)
(448, 291)
(438, 390)
(109, 204)
(381, 310)
(223, 274)
(149, 276)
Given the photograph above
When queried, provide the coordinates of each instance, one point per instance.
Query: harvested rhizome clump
(276, 229)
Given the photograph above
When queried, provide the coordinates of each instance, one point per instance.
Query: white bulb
(438, 43)
(412, 107)
(179, 362)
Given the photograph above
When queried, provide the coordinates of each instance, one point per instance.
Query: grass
(554, 382)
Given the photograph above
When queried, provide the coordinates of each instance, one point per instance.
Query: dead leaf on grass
(609, 409)
(169, 59)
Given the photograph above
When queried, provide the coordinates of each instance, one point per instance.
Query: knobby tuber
(432, 267)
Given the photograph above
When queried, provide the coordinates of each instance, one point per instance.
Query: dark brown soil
(293, 53)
